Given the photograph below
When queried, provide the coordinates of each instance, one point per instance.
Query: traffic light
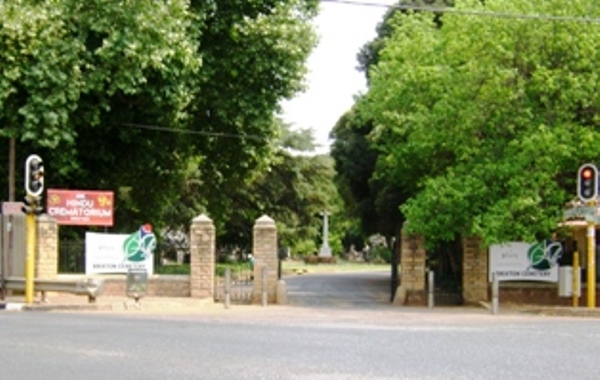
(33, 205)
(34, 176)
(587, 182)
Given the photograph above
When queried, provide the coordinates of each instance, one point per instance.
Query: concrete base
(401, 296)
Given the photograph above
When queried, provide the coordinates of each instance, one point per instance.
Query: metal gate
(234, 284)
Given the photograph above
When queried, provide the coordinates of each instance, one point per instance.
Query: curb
(15, 306)
(10, 306)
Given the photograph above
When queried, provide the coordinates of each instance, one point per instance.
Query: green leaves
(486, 120)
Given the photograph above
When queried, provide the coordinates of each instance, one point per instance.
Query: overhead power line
(467, 12)
(192, 132)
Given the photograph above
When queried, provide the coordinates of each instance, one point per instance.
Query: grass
(294, 266)
(287, 267)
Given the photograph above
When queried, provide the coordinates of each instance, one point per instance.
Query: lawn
(298, 266)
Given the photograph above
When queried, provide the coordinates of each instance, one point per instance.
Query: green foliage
(173, 269)
(152, 100)
(374, 201)
(304, 248)
(380, 253)
(485, 121)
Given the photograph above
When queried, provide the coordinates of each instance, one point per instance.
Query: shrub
(319, 260)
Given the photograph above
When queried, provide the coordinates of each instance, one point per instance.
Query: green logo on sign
(543, 256)
(140, 245)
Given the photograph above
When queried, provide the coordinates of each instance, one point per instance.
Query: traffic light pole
(30, 258)
(34, 187)
(591, 264)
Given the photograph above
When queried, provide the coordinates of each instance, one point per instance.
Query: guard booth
(13, 241)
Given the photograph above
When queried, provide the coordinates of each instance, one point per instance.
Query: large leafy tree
(254, 54)
(78, 74)
(486, 119)
(133, 96)
(293, 189)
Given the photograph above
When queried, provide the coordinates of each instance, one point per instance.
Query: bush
(319, 260)
(382, 254)
(173, 269)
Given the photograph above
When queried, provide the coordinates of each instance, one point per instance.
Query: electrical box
(566, 282)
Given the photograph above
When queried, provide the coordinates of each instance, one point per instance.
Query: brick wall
(412, 267)
(46, 260)
(158, 286)
(202, 258)
(264, 249)
(542, 294)
(474, 271)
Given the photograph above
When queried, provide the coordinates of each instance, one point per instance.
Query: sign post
(587, 191)
(591, 263)
(34, 187)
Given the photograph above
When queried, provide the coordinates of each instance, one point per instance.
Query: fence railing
(71, 256)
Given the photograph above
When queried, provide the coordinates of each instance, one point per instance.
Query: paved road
(340, 290)
(336, 327)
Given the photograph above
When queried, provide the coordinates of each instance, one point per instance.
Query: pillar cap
(202, 218)
(264, 220)
(45, 218)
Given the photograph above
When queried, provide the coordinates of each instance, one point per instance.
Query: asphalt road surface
(346, 335)
(340, 290)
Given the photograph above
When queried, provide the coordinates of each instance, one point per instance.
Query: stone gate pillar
(412, 270)
(265, 256)
(475, 271)
(202, 258)
(46, 251)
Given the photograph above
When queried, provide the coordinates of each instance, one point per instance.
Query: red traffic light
(587, 183)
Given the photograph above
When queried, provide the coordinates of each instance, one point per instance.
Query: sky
(333, 80)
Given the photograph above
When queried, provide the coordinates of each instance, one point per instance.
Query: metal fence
(234, 284)
(71, 256)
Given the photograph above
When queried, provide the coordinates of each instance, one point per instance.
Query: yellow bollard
(30, 258)
(591, 265)
(576, 280)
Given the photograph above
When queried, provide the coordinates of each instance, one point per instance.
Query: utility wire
(467, 12)
(191, 132)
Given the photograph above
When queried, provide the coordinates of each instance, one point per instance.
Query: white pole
(264, 286)
(430, 287)
(495, 291)
(227, 287)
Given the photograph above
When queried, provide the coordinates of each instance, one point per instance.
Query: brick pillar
(475, 271)
(265, 255)
(412, 264)
(202, 258)
(46, 252)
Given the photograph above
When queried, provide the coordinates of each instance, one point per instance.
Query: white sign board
(518, 261)
(117, 253)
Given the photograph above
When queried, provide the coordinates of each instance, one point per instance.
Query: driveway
(339, 290)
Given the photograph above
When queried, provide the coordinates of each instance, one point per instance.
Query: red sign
(81, 207)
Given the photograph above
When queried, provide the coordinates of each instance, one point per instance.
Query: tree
(77, 74)
(373, 200)
(292, 190)
(486, 120)
(130, 96)
(254, 55)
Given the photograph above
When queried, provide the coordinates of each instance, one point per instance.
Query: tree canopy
(485, 120)
(134, 96)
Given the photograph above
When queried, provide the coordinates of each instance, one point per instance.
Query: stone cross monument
(325, 250)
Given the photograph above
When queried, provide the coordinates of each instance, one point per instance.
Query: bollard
(576, 280)
(281, 293)
(430, 287)
(264, 285)
(495, 291)
(227, 287)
